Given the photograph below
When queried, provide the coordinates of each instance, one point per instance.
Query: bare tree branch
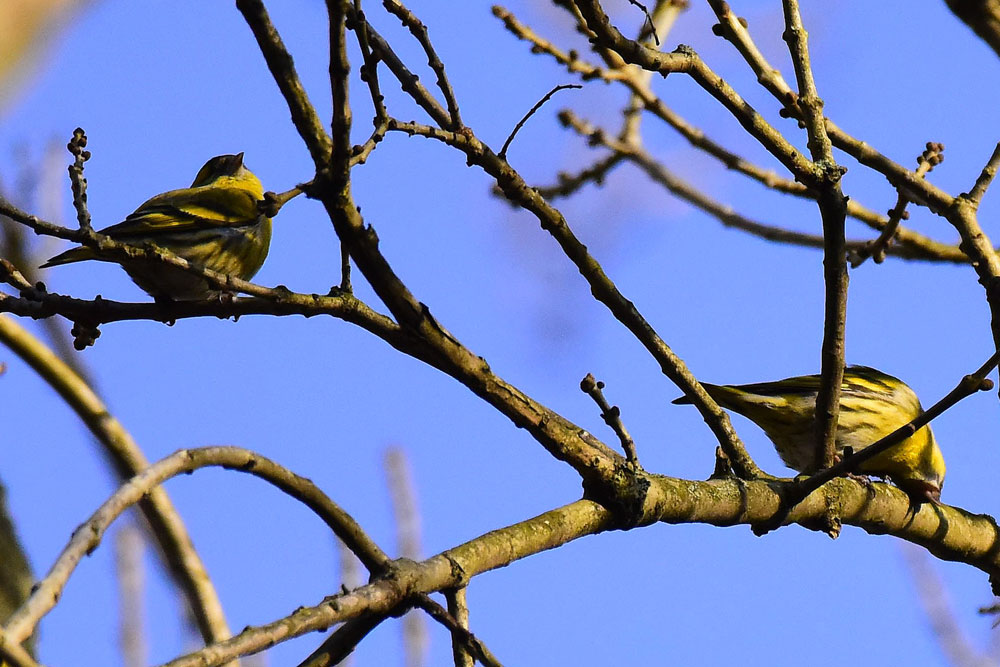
(470, 645)
(983, 16)
(931, 157)
(611, 415)
(949, 533)
(403, 494)
(538, 105)
(638, 84)
(458, 608)
(13, 653)
(172, 537)
(959, 211)
(985, 178)
(934, 599)
(279, 61)
(339, 646)
(131, 593)
(87, 538)
(419, 30)
(926, 249)
(602, 287)
(833, 210)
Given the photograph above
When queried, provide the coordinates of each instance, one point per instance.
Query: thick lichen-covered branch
(947, 532)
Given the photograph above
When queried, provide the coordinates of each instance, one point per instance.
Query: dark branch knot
(830, 172)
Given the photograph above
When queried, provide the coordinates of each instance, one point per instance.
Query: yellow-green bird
(872, 405)
(215, 223)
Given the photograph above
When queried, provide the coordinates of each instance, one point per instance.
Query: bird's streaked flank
(216, 223)
(872, 405)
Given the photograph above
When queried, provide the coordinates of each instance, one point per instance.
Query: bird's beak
(239, 158)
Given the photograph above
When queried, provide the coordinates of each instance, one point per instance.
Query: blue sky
(162, 87)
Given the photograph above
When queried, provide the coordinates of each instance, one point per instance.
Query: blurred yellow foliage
(26, 27)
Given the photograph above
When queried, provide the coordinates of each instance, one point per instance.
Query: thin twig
(932, 156)
(408, 81)
(567, 184)
(369, 69)
(685, 60)
(538, 105)
(14, 246)
(345, 269)
(340, 159)
(359, 154)
(460, 634)
(569, 59)
(922, 247)
(369, 74)
(649, 20)
(340, 69)
(611, 415)
(985, 178)
(273, 202)
(919, 190)
(982, 256)
(339, 646)
(934, 599)
(419, 30)
(459, 610)
(76, 147)
(932, 251)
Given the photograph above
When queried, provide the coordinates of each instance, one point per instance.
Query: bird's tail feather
(70, 256)
(712, 389)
